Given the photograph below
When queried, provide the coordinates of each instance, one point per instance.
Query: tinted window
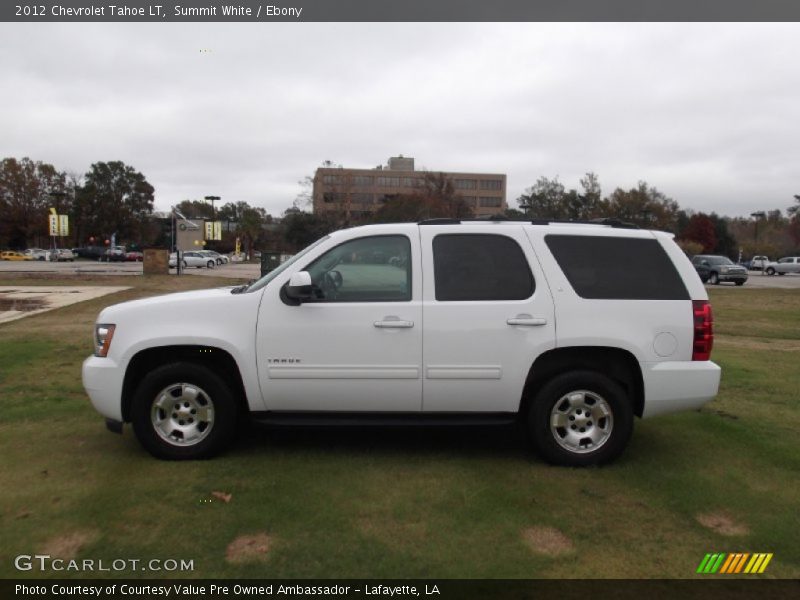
(610, 268)
(370, 269)
(480, 267)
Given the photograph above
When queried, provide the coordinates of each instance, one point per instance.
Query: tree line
(113, 198)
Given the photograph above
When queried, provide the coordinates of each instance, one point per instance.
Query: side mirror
(299, 287)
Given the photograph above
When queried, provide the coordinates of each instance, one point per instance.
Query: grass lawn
(444, 504)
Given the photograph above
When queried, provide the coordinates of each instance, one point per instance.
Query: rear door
(488, 314)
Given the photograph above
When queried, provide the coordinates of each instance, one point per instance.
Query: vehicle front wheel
(183, 411)
(580, 418)
(210, 264)
(770, 271)
(713, 279)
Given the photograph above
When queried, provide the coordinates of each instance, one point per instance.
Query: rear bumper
(677, 386)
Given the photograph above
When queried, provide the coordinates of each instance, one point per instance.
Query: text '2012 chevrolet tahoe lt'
(572, 329)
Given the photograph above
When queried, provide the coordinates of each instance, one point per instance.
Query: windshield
(281, 268)
(719, 260)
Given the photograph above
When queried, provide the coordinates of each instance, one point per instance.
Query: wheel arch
(616, 363)
(215, 359)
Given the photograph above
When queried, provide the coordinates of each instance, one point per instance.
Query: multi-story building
(362, 191)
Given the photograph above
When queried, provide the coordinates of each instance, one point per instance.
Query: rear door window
(480, 267)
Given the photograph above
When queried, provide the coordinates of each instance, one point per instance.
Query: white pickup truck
(572, 329)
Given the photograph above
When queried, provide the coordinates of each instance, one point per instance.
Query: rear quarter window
(616, 268)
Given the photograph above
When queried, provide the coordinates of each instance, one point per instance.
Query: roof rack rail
(440, 221)
(611, 222)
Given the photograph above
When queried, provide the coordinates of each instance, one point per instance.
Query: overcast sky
(707, 113)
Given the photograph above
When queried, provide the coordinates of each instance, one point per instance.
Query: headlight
(102, 339)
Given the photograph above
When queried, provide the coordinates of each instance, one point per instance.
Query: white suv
(441, 322)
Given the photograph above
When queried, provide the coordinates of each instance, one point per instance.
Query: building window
(466, 184)
(333, 197)
(470, 200)
(331, 179)
(488, 202)
(388, 181)
(363, 180)
(491, 184)
(412, 182)
(362, 198)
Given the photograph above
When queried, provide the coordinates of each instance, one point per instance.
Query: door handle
(393, 323)
(527, 321)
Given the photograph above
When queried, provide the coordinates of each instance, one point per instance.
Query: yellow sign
(53, 218)
(213, 230)
(63, 225)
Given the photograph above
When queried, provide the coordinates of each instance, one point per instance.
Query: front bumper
(734, 277)
(102, 380)
(678, 386)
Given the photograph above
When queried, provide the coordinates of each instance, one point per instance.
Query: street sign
(53, 224)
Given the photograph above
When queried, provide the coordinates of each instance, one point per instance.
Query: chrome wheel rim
(182, 414)
(581, 421)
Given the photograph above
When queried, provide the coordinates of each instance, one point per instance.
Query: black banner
(400, 10)
(442, 589)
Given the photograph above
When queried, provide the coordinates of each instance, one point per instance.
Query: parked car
(11, 255)
(787, 264)
(476, 322)
(90, 252)
(193, 259)
(134, 256)
(220, 259)
(758, 263)
(114, 254)
(716, 269)
(36, 253)
(62, 255)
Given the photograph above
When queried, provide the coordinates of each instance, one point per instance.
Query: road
(253, 271)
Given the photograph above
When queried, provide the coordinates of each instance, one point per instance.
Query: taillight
(703, 330)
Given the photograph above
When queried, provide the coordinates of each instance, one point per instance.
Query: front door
(358, 345)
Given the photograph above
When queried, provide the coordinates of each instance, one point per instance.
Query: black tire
(740, 283)
(210, 264)
(713, 279)
(184, 383)
(603, 395)
(770, 271)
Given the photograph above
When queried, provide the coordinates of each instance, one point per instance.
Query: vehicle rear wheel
(713, 279)
(183, 411)
(580, 418)
(770, 271)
